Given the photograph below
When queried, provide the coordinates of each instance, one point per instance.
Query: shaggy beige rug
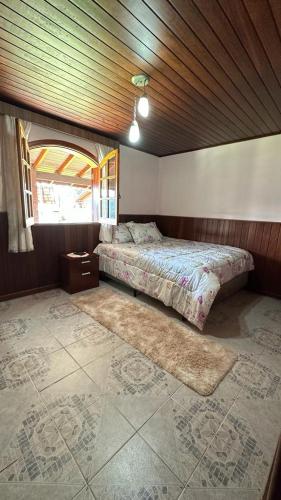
(198, 362)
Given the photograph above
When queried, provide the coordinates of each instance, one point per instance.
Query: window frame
(97, 179)
(71, 147)
(25, 175)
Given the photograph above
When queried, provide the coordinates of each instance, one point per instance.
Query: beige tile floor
(84, 415)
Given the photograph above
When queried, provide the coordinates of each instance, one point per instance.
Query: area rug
(198, 362)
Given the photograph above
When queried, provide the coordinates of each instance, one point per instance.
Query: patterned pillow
(121, 234)
(144, 233)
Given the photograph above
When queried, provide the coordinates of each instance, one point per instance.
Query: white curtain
(20, 238)
(102, 151)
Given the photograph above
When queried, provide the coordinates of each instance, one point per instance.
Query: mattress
(185, 275)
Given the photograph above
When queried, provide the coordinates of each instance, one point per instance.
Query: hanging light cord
(135, 109)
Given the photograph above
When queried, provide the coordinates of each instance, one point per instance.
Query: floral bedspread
(185, 275)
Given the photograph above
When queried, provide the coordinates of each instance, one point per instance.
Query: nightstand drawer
(85, 265)
(83, 280)
(79, 274)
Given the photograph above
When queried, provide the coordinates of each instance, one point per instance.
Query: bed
(185, 275)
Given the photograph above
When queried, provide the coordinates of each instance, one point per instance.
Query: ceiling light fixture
(134, 132)
(143, 106)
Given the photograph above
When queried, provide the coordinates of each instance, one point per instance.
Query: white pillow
(144, 233)
(121, 234)
(105, 233)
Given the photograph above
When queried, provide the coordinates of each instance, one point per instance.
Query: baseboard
(30, 291)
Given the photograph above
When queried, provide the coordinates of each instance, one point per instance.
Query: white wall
(138, 172)
(37, 133)
(238, 181)
(235, 181)
(138, 182)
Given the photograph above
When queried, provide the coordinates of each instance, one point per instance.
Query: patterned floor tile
(13, 367)
(100, 342)
(240, 344)
(56, 294)
(85, 494)
(40, 492)
(268, 338)
(136, 473)
(13, 405)
(265, 312)
(33, 306)
(71, 395)
(73, 328)
(217, 494)
(132, 382)
(240, 455)
(25, 343)
(234, 334)
(94, 435)
(37, 335)
(180, 435)
(265, 380)
(35, 461)
(13, 329)
(45, 369)
(42, 455)
(229, 387)
(62, 310)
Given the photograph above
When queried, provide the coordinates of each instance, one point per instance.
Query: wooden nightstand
(79, 273)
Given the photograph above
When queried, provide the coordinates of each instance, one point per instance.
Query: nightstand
(79, 273)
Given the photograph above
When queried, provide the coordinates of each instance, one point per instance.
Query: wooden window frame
(71, 147)
(25, 175)
(98, 198)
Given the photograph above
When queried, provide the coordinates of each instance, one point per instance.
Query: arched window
(62, 182)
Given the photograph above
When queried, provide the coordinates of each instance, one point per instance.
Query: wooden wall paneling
(273, 254)
(197, 230)
(277, 258)
(221, 231)
(261, 238)
(31, 271)
(49, 243)
(214, 67)
(16, 269)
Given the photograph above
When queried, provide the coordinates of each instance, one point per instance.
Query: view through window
(62, 187)
(63, 203)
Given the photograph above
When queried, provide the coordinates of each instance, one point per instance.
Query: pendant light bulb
(143, 106)
(134, 133)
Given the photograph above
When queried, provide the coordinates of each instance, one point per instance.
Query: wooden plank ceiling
(215, 66)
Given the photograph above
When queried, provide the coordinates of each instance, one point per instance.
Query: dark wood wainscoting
(262, 239)
(28, 272)
(136, 218)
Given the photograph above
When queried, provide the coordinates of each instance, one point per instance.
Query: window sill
(64, 223)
